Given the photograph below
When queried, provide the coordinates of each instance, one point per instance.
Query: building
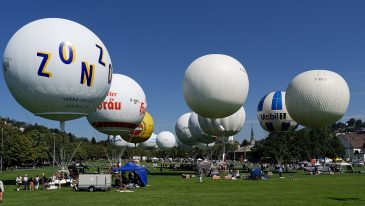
(354, 144)
(241, 151)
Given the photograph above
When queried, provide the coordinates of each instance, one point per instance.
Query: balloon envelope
(317, 98)
(223, 127)
(182, 130)
(273, 115)
(143, 132)
(166, 140)
(122, 110)
(150, 143)
(215, 85)
(197, 132)
(204, 146)
(57, 69)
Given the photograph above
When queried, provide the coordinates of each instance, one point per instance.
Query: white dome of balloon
(122, 110)
(57, 69)
(166, 140)
(150, 143)
(204, 146)
(182, 130)
(317, 98)
(223, 127)
(119, 141)
(196, 131)
(215, 85)
(273, 115)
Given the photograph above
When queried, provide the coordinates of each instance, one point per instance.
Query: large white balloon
(150, 143)
(317, 98)
(215, 85)
(272, 113)
(197, 132)
(223, 127)
(122, 110)
(166, 140)
(57, 69)
(182, 130)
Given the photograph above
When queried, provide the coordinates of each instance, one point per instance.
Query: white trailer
(94, 182)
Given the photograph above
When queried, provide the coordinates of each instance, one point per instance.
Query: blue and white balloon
(273, 115)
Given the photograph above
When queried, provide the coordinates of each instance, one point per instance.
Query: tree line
(35, 145)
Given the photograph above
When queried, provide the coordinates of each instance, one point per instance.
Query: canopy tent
(139, 170)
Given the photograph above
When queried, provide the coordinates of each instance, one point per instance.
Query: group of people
(122, 181)
(30, 183)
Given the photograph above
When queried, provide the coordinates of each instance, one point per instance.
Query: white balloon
(181, 145)
(57, 69)
(123, 108)
(119, 141)
(150, 143)
(204, 146)
(197, 132)
(215, 85)
(223, 127)
(166, 140)
(182, 130)
(317, 98)
(273, 115)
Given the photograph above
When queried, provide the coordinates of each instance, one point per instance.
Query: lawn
(170, 189)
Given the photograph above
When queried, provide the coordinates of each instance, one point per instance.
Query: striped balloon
(272, 113)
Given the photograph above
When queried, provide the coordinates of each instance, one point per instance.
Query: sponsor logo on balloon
(67, 54)
(110, 105)
(272, 116)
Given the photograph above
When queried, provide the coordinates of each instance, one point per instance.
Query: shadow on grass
(9, 182)
(344, 199)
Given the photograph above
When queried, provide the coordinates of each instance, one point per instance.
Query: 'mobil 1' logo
(273, 116)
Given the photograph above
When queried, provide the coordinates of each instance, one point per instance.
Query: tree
(93, 141)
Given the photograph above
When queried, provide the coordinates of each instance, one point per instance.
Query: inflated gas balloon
(204, 146)
(57, 69)
(182, 130)
(317, 98)
(215, 85)
(181, 145)
(272, 113)
(122, 143)
(166, 140)
(150, 143)
(122, 110)
(197, 132)
(223, 127)
(142, 132)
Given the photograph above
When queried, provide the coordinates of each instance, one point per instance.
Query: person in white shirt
(1, 190)
(18, 181)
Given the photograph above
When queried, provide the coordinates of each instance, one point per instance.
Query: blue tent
(130, 167)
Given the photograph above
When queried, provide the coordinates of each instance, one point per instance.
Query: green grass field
(170, 189)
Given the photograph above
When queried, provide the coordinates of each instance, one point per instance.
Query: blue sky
(154, 42)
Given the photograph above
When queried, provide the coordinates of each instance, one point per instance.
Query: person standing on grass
(43, 181)
(25, 182)
(1, 191)
(31, 184)
(36, 182)
(18, 181)
(280, 170)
